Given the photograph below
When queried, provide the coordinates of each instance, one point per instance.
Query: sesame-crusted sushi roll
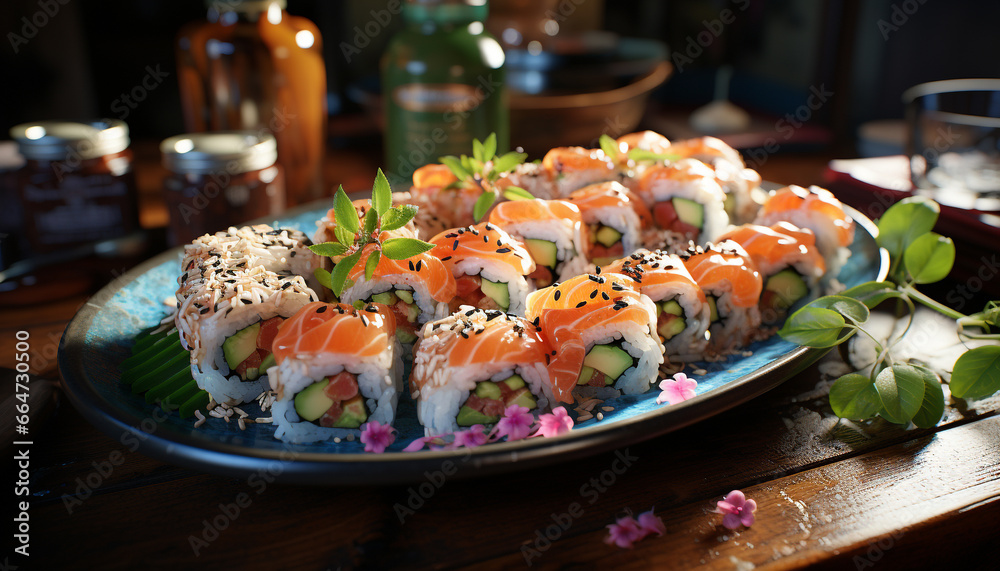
(732, 287)
(686, 200)
(338, 367)
(682, 309)
(604, 333)
(489, 267)
(614, 217)
(551, 230)
(818, 210)
(417, 289)
(469, 367)
(788, 262)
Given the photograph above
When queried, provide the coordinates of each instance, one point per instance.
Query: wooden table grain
(830, 494)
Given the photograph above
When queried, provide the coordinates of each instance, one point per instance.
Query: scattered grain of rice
(215, 413)
(240, 412)
(336, 439)
(607, 408)
(699, 372)
(584, 417)
(264, 420)
(243, 425)
(748, 353)
(600, 416)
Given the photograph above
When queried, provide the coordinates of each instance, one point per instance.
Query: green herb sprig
(610, 148)
(482, 170)
(901, 392)
(353, 233)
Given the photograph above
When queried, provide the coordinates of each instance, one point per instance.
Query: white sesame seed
(600, 416)
(699, 372)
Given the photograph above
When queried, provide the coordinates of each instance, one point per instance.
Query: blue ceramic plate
(99, 339)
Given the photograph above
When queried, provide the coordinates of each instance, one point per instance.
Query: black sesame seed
(418, 264)
(455, 245)
(593, 294)
(503, 250)
(557, 295)
(446, 258)
(604, 294)
(410, 262)
(581, 304)
(321, 309)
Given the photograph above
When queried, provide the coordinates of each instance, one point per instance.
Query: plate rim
(406, 467)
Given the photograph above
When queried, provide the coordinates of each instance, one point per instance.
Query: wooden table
(837, 495)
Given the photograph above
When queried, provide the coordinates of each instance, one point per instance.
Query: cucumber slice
(498, 292)
(387, 298)
(689, 212)
(608, 236)
(672, 307)
(542, 251)
(405, 295)
(608, 359)
(311, 402)
(487, 390)
(469, 417)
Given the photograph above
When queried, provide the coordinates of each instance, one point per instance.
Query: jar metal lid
(221, 151)
(62, 140)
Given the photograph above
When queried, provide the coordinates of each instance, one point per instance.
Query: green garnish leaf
(932, 407)
(398, 216)
(904, 221)
(339, 275)
(370, 264)
(454, 164)
(642, 155)
(346, 215)
(483, 204)
(853, 396)
(489, 147)
(323, 277)
(846, 306)
(467, 164)
(343, 236)
(381, 194)
(609, 146)
(872, 293)
(814, 327)
(517, 193)
(976, 373)
(403, 248)
(477, 151)
(371, 223)
(330, 249)
(901, 391)
(508, 161)
(929, 258)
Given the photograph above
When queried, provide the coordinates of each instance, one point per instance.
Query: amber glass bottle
(252, 66)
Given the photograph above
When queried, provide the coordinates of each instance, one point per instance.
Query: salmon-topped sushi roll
(469, 367)
(443, 201)
(818, 210)
(614, 217)
(572, 168)
(645, 140)
(732, 287)
(338, 367)
(603, 331)
(682, 309)
(788, 262)
(741, 184)
(551, 230)
(685, 199)
(326, 226)
(489, 267)
(417, 289)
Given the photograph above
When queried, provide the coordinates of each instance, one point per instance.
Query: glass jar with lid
(76, 184)
(217, 180)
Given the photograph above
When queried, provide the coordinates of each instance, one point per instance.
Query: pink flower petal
(650, 523)
(471, 438)
(724, 507)
(377, 437)
(736, 498)
(417, 444)
(515, 424)
(747, 518)
(554, 424)
(750, 506)
(731, 521)
(624, 533)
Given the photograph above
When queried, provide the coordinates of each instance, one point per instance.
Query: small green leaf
(343, 236)
(340, 272)
(846, 306)
(381, 194)
(508, 161)
(346, 215)
(330, 249)
(517, 193)
(932, 407)
(641, 155)
(976, 373)
(403, 248)
(872, 293)
(371, 222)
(813, 327)
(454, 164)
(483, 204)
(323, 277)
(929, 258)
(853, 396)
(477, 150)
(901, 390)
(904, 221)
(609, 146)
(398, 216)
(467, 164)
(371, 264)
(490, 147)
(991, 314)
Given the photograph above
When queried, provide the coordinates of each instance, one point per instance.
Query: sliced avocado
(498, 292)
(608, 359)
(268, 362)
(672, 307)
(788, 285)
(468, 417)
(689, 212)
(713, 308)
(412, 312)
(672, 327)
(542, 251)
(487, 390)
(405, 295)
(730, 205)
(354, 413)
(385, 297)
(312, 402)
(608, 236)
(240, 345)
(585, 374)
(405, 336)
(524, 398)
(514, 382)
(359, 304)
(252, 373)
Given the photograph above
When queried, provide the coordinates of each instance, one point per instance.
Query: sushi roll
(614, 218)
(551, 230)
(338, 367)
(685, 200)
(417, 289)
(741, 184)
(469, 367)
(325, 226)
(682, 309)
(604, 332)
(443, 200)
(645, 140)
(532, 177)
(488, 265)
(572, 168)
(788, 262)
(817, 210)
(732, 288)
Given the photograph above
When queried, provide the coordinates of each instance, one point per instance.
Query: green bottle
(442, 85)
